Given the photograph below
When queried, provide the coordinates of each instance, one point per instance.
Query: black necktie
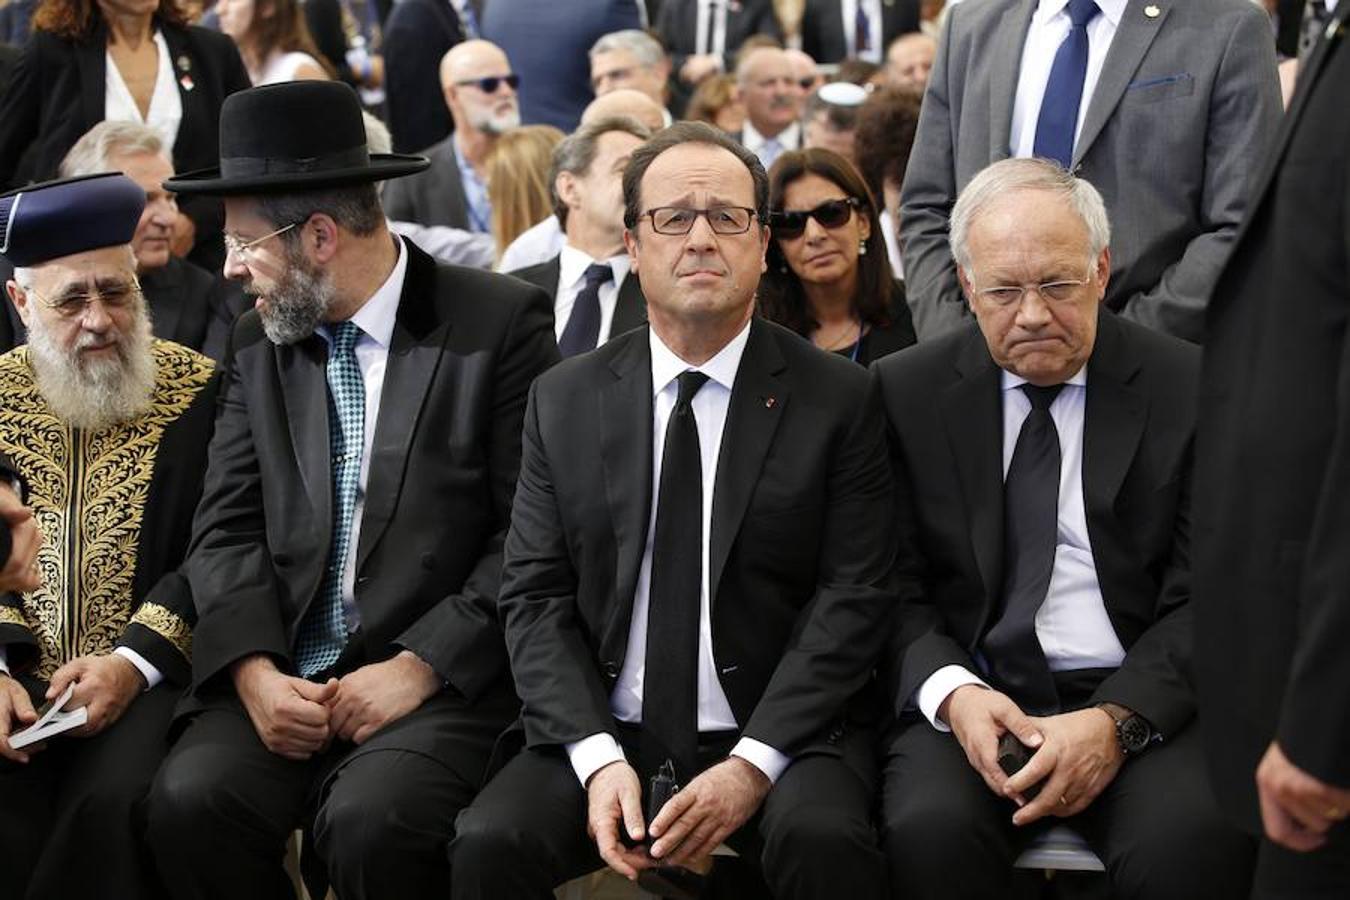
(1016, 661)
(582, 332)
(862, 31)
(670, 685)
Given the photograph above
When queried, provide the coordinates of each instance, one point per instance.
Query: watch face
(1134, 734)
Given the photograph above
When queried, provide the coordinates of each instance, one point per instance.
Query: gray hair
(107, 139)
(576, 152)
(1011, 175)
(378, 139)
(646, 49)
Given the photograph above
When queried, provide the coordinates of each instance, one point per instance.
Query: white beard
(95, 394)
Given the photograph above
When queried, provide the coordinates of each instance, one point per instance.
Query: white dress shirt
(537, 244)
(714, 711)
(1049, 27)
(166, 106)
(849, 11)
(572, 266)
(711, 40)
(1072, 625)
(789, 138)
(376, 321)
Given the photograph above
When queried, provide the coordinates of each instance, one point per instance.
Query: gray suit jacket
(434, 196)
(1183, 113)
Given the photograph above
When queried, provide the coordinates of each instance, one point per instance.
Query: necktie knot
(1041, 397)
(598, 274)
(690, 383)
(345, 335)
(1082, 12)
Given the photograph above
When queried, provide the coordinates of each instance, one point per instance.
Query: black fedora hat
(293, 136)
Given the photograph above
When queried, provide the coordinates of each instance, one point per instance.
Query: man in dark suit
(702, 36)
(1272, 587)
(476, 83)
(871, 27)
(19, 535)
(595, 293)
(696, 574)
(1044, 460)
(417, 35)
(346, 554)
(188, 305)
(1165, 107)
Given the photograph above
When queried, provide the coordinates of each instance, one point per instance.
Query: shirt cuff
(938, 687)
(591, 754)
(151, 675)
(762, 757)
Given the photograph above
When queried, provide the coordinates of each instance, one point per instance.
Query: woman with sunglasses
(828, 278)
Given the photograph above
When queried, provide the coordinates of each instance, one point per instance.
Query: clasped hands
(688, 828)
(1076, 754)
(296, 718)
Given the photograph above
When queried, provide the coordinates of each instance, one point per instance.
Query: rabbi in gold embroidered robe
(108, 427)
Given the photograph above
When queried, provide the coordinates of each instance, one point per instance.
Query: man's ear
(19, 299)
(319, 237)
(630, 243)
(966, 287)
(567, 189)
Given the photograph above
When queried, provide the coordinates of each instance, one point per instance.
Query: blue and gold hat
(46, 221)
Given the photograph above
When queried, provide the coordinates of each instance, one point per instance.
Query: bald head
(804, 67)
(909, 59)
(768, 89)
(473, 81)
(626, 102)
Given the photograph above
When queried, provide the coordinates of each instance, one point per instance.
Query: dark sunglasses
(489, 85)
(790, 223)
(806, 83)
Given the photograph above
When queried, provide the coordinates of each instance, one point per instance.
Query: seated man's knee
(179, 802)
(827, 832)
(1182, 856)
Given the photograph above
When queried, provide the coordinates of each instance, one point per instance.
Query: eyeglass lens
(830, 214)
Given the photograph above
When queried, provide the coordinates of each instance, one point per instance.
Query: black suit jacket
(434, 196)
(677, 24)
(465, 347)
(630, 308)
(823, 27)
(416, 35)
(190, 306)
(1273, 460)
(944, 402)
(58, 89)
(799, 549)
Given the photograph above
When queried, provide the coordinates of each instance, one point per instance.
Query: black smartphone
(1012, 756)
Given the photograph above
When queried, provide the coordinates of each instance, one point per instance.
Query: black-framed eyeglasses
(790, 223)
(490, 84)
(680, 219)
(114, 295)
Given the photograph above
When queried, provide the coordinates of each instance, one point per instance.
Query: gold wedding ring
(1335, 813)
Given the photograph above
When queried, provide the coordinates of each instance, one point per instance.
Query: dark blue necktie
(582, 332)
(1015, 659)
(862, 32)
(1064, 91)
(323, 631)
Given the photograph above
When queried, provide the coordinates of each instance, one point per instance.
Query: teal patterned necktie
(323, 633)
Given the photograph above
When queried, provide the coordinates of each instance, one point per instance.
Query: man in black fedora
(348, 667)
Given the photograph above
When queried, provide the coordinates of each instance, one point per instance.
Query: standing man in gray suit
(1165, 107)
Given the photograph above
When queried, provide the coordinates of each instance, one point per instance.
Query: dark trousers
(1156, 826)
(72, 819)
(813, 837)
(223, 806)
(1320, 875)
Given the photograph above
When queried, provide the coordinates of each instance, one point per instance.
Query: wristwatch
(1133, 731)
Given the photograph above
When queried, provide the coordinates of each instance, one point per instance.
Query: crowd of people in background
(375, 373)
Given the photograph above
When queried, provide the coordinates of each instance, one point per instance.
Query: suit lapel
(626, 460)
(304, 390)
(835, 22)
(758, 399)
(1114, 418)
(972, 410)
(630, 308)
(1005, 61)
(92, 57)
(1133, 37)
(550, 276)
(415, 350)
(164, 292)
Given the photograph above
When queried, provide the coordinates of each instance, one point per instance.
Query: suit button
(428, 561)
(611, 670)
(363, 581)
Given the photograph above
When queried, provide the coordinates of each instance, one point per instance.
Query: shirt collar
(1012, 382)
(1112, 9)
(376, 316)
(572, 265)
(753, 140)
(465, 170)
(666, 366)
